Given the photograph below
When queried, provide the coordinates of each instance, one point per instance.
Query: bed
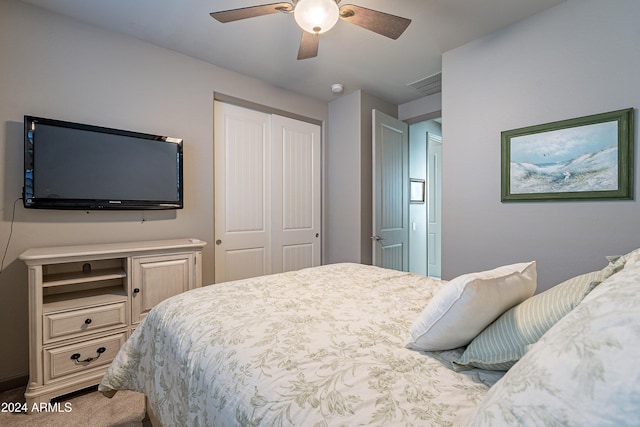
(347, 345)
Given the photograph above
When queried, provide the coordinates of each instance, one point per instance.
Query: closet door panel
(296, 194)
(242, 161)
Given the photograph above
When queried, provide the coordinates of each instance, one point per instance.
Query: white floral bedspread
(318, 347)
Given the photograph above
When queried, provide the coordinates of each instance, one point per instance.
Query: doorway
(425, 157)
(407, 194)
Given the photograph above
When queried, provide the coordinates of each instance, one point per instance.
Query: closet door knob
(136, 290)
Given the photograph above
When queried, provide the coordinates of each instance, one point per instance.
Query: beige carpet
(85, 408)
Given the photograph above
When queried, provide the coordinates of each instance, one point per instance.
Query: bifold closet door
(295, 194)
(267, 193)
(242, 162)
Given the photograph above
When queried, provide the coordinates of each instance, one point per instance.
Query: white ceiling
(266, 47)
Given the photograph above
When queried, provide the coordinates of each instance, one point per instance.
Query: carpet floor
(81, 409)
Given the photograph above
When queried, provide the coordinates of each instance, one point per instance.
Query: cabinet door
(156, 278)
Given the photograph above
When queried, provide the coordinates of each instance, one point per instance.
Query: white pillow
(467, 304)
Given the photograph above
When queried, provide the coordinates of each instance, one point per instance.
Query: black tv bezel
(30, 201)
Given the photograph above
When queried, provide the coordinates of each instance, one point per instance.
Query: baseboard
(11, 383)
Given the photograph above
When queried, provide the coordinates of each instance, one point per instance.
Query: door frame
(434, 205)
(435, 115)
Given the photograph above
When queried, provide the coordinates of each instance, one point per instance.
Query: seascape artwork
(575, 159)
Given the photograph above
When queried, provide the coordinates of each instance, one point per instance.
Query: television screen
(76, 166)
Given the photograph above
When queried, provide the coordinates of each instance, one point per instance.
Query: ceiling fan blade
(308, 45)
(250, 12)
(388, 25)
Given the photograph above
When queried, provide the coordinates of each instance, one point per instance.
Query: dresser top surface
(34, 255)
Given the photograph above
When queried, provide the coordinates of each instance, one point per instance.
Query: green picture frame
(585, 158)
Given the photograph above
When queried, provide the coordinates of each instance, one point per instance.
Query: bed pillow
(583, 372)
(619, 261)
(504, 342)
(464, 306)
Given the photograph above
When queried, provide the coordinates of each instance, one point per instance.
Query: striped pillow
(504, 342)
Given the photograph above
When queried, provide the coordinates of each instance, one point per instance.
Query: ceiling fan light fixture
(316, 16)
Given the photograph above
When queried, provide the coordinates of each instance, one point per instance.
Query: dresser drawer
(68, 324)
(81, 357)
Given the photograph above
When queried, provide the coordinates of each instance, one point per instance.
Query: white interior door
(242, 162)
(296, 194)
(390, 192)
(434, 205)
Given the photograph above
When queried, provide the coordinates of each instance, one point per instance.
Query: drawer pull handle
(87, 321)
(76, 356)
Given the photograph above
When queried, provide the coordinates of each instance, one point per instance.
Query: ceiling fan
(318, 16)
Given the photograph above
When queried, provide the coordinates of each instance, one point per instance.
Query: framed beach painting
(586, 158)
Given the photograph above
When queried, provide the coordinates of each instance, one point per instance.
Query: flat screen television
(77, 166)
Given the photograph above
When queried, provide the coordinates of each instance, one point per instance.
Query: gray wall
(427, 107)
(348, 218)
(579, 58)
(56, 67)
(343, 192)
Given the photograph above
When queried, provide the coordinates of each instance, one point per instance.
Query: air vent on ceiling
(428, 85)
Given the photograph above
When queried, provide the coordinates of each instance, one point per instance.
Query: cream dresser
(85, 301)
